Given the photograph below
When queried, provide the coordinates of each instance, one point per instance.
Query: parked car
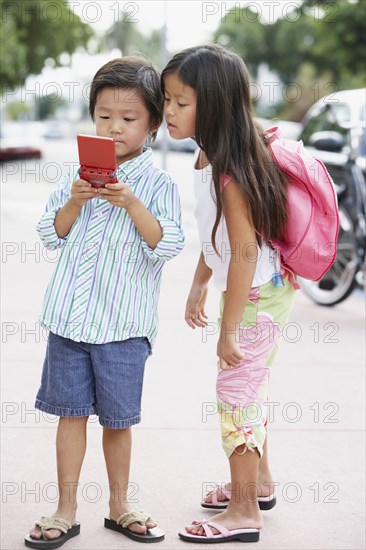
(334, 128)
(18, 141)
(334, 132)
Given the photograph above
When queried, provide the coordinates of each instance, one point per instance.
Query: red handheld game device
(97, 157)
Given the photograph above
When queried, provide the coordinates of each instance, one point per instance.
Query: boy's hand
(228, 350)
(118, 194)
(195, 315)
(81, 192)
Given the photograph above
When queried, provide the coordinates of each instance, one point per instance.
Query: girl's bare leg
(265, 485)
(265, 481)
(243, 510)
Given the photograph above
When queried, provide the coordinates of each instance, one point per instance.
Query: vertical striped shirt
(106, 282)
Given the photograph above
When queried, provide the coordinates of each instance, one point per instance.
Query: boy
(101, 303)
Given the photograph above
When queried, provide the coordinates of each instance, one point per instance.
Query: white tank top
(205, 214)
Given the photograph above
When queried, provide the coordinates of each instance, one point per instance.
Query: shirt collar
(133, 168)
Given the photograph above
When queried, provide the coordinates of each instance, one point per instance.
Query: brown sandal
(122, 523)
(46, 523)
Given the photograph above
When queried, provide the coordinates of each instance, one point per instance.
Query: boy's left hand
(118, 194)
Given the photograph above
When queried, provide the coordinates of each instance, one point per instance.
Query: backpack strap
(272, 134)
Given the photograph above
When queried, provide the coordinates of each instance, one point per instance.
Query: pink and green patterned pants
(242, 390)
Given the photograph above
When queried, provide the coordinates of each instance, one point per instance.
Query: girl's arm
(195, 314)
(241, 271)
(203, 273)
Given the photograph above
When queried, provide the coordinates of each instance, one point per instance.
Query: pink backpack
(308, 247)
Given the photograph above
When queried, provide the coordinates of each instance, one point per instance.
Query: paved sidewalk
(317, 393)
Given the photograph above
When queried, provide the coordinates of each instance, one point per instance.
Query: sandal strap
(46, 523)
(136, 516)
(207, 524)
(207, 530)
(214, 500)
(220, 528)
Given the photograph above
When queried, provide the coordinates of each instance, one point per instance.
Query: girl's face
(179, 107)
(121, 114)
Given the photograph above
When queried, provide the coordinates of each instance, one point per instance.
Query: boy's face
(179, 107)
(121, 114)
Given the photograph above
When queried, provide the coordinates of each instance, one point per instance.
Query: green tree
(329, 35)
(48, 105)
(34, 30)
(126, 37)
(246, 36)
(343, 43)
(16, 110)
(321, 42)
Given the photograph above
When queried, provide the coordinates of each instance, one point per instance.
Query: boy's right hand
(195, 314)
(82, 191)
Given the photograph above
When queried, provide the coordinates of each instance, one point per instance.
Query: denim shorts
(81, 379)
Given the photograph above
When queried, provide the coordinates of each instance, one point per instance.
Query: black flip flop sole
(52, 543)
(151, 535)
(267, 504)
(221, 506)
(244, 537)
(263, 504)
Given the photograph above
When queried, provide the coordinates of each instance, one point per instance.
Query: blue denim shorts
(80, 379)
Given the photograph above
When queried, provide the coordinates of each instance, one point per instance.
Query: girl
(241, 206)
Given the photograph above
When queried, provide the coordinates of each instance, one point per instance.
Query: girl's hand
(81, 192)
(118, 194)
(228, 350)
(195, 314)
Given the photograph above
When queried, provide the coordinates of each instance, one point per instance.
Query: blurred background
(307, 61)
(306, 58)
(297, 52)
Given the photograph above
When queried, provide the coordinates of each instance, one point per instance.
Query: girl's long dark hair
(232, 141)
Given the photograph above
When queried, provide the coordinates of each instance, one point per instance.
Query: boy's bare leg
(70, 452)
(243, 510)
(265, 485)
(117, 453)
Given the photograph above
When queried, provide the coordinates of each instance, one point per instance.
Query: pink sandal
(224, 535)
(265, 503)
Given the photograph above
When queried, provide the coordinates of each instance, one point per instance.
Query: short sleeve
(224, 180)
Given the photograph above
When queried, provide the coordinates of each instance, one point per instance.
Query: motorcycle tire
(338, 283)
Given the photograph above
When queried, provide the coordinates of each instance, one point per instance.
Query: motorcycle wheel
(337, 284)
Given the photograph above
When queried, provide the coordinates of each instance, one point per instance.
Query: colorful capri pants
(242, 390)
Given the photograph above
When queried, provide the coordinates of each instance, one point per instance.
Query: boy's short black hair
(131, 72)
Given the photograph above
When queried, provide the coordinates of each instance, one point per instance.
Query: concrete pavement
(317, 398)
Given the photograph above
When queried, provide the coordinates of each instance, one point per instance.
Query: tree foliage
(330, 35)
(247, 37)
(325, 36)
(33, 31)
(125, 36)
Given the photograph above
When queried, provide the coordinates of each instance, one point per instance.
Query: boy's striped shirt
(105, 286)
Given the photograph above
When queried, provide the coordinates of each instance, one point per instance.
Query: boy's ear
(155, 127)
